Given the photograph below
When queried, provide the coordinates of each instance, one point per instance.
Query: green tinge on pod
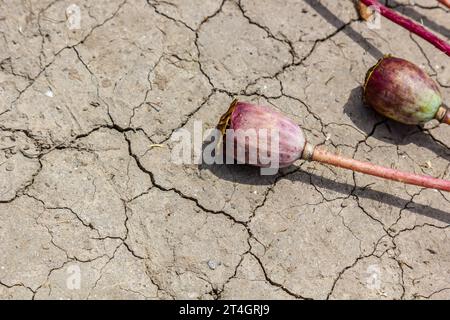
(400, 90)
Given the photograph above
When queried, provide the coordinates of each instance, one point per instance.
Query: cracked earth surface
(87, 181)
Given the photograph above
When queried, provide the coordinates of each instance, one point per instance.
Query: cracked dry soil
(82, 189)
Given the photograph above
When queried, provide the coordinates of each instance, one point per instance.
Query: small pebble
(49, 93)
(212, 265)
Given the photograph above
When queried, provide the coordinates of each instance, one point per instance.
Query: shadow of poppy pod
(263, 133)
(400, 90)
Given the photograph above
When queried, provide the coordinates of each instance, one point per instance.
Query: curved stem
(324, 156)
(410, 25)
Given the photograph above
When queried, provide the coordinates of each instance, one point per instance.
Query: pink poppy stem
(410, 25)
(324, 156)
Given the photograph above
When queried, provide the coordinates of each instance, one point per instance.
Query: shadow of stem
(245, 174)
(338, 24)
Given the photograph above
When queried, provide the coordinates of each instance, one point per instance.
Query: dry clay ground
(92, 207)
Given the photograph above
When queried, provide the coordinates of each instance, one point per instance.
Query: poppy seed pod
(245, 120)
(400, 90)
(253, 128)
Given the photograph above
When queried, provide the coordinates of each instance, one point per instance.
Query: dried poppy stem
(324, 156)
(410, 25)
(445, 3)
